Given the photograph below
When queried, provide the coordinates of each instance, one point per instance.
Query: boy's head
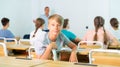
(114, 22)
(57, 18)
(5, 21)
(55, 23)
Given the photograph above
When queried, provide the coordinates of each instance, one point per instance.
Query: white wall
(80, 12)
(20, 14)
(114, 9)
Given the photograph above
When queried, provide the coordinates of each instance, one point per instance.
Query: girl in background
(99, 33)
(37, 35)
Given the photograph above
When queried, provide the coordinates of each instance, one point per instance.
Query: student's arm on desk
(73, 56)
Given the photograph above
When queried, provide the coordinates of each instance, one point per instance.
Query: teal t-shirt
(69, 34)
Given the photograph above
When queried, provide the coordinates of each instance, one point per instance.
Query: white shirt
(46, 21)
(37, 41)
(116, 33)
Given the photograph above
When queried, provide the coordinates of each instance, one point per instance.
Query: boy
(54, 39)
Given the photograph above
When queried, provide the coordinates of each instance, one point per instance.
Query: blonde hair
(58, 18)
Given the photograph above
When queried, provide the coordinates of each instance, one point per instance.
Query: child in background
(115, 27)
(69, 34)
(4, 32)
(99, 34)
(54, 39)
(37, 35)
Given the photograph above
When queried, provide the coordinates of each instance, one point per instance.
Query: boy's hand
(53, 45)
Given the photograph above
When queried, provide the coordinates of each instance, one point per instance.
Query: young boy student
(54, 39)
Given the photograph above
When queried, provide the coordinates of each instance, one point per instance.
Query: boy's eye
(53, 25)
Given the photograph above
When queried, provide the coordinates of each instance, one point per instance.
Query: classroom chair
(24, 42)
(85, 46)
(2, 39)
(3, 50)
(31, 52)
(12, 41)
(90, 44)
(104, 57)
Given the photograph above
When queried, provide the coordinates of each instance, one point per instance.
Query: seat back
(26, 36)
(31, 52)
(10, 41)
(3, 50)
(24, 41)
(2, 39)
(90, 44)
(104, 57)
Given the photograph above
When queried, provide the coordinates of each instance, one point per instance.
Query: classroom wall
(20, 14)
(80, 12)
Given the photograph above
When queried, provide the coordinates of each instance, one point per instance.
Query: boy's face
(54, 27)
(47, 11)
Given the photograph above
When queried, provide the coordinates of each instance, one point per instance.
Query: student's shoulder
(7, 30)
(61, 35)
(66, 31)
(0, 29)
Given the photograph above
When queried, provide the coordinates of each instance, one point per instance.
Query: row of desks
(13, 62)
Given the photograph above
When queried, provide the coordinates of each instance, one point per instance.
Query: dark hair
(46, 7)
(58, 18)
(99, 22)
(4, 21)
(65, 23)
(39, 22)
(114, 22)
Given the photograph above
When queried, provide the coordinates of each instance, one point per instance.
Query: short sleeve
(66, 41)
(72, 36)
(10, 34)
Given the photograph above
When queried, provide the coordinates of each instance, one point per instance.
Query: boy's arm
(73, 56)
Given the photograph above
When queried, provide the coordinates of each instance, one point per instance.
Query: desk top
(114, 47)
(13, 62)
(18, 47)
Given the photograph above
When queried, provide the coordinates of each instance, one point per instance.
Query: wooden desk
(114, 47)
(106, 58)
(17, 47)
(13, 62)
(67, 64)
